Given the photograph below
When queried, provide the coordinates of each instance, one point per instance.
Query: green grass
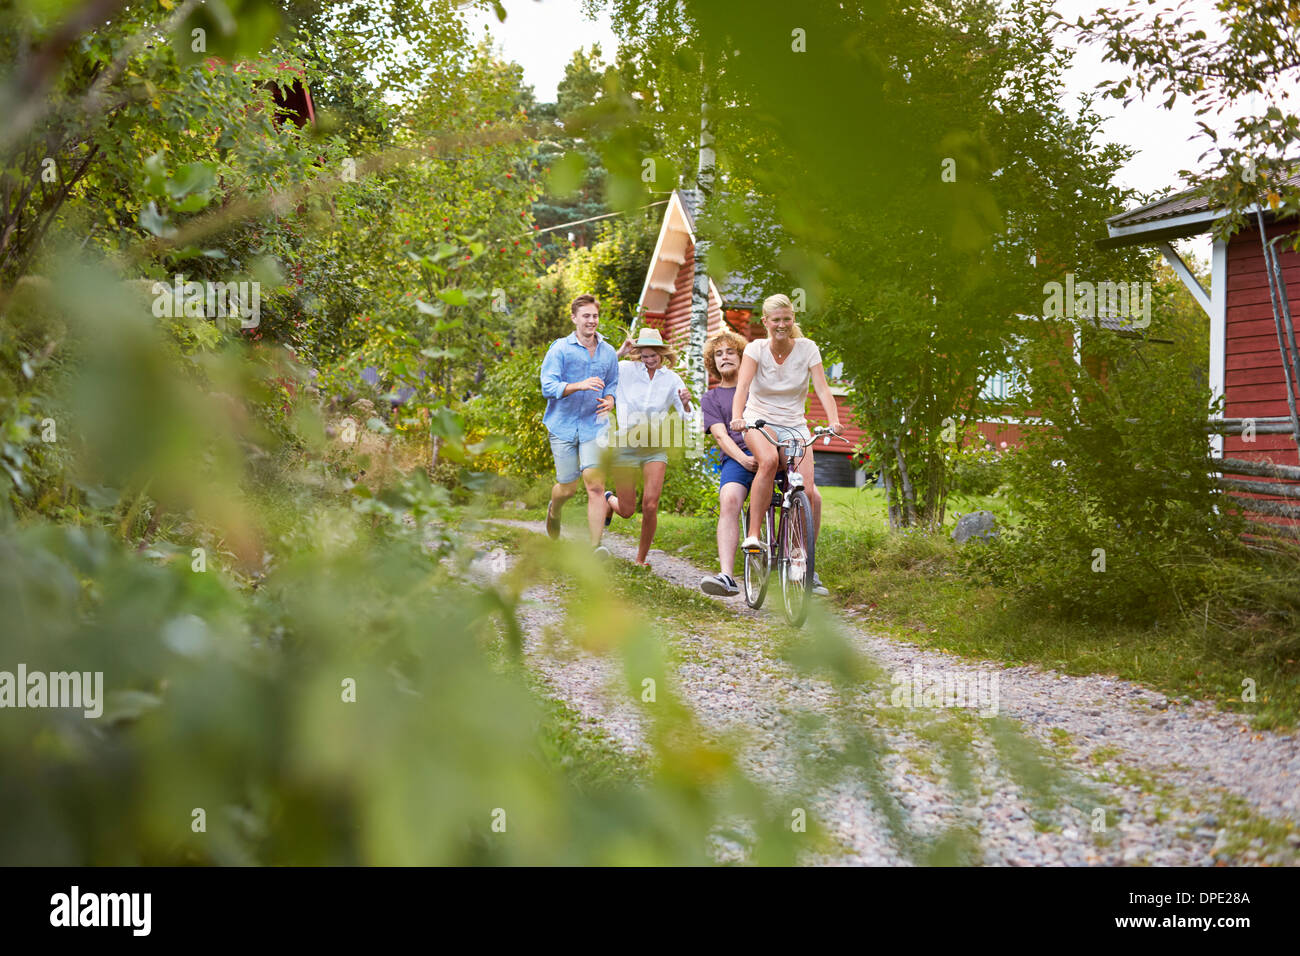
(944, 739)
(865, 508)
(587, 757)
(909, 586)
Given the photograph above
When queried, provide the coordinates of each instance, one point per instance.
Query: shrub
(690, 486)
(978, 469)
(511, 405)
(1115, 500)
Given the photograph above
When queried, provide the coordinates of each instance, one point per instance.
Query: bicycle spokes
(798, 563)
(796, 559)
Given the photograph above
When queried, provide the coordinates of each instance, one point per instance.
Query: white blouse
(640, 399)
(779, 392)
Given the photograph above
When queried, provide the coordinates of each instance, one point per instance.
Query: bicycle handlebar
(817, 432)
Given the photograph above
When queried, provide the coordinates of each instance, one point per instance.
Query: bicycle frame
(786, 480)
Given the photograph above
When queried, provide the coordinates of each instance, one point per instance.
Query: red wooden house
(291, 95)
(1246, 362)
(666, 305)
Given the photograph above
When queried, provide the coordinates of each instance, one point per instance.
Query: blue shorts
(636, 457)
(733, 470)
(573, 457)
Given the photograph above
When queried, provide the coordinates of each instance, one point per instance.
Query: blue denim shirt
(573, 417)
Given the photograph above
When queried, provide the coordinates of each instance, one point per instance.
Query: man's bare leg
(560, 494)
(730, 500)
(596, 506)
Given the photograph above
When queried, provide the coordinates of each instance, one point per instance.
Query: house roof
(1124, 326)
(1189, 200)
(1186, 213)
(738, 293)
(676, 240)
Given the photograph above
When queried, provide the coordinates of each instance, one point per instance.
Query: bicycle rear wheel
(758, 567)
(796, 562)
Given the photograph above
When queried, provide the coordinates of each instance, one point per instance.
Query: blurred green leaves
(229, 29)
(567, 175)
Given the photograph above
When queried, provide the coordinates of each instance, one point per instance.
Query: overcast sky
(541, 35)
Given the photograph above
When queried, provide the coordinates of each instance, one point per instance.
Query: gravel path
(1178, 784)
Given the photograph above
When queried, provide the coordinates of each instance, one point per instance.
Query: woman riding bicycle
(773, 386)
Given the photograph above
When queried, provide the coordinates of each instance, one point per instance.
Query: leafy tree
(612, 269)
(1252, 47)
(581, 87)
(906, 166)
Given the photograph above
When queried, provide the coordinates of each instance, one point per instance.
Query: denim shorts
(636, 457)
(733, 470)
(573, 457)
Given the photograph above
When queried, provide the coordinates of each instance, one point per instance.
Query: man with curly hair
(722, 355)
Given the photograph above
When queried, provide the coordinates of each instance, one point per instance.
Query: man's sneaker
(752, 545)
(609, 517)
(818, 587)
(723, 585)
(601, 551)
(552, 521)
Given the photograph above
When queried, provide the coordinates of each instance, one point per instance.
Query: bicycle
(787, 534)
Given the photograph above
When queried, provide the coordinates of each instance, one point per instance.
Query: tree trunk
(893, 489)
(892, 506)
(905, 481)
(697, 377)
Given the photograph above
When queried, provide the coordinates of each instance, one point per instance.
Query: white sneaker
(721, 585)
(818, 587)
(752, 545)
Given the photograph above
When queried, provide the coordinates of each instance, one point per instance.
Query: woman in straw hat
(648, 392)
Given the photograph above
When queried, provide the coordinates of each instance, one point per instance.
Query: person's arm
(681, 396)
(611, 383)
(552, 369)
(553, 386)
(719, 432)
(823, 390)
(606, 401)
(746, 378)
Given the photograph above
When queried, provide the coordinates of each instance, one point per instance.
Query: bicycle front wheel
(796, 567)
(758, 567)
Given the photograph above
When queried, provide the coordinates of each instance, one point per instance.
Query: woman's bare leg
(760, 492)
(623, 501)
(654, 472)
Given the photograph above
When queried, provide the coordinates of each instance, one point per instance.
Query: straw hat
(650, 338)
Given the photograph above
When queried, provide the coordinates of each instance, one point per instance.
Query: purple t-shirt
(716, 409)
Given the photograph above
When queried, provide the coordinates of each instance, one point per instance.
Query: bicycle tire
(797, 557)
(758, 567)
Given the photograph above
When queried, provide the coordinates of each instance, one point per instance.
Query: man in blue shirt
(579, 377)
